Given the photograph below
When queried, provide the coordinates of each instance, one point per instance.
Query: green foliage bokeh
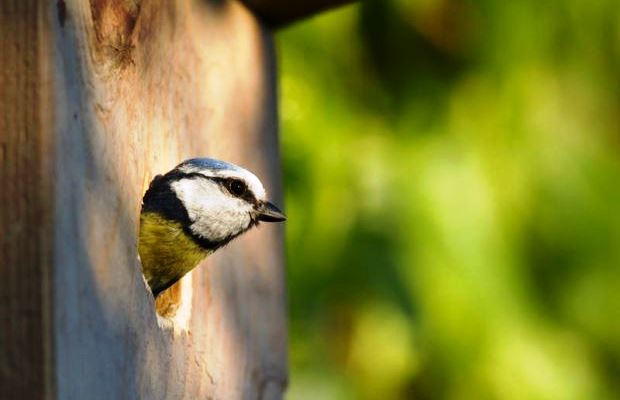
(452, 174)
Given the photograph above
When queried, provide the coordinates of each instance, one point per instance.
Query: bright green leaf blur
(452, 173)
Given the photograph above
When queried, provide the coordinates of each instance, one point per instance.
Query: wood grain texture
(277, 13)
(135, 88)
(26, 203)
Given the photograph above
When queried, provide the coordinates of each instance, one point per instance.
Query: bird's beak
(270, 213)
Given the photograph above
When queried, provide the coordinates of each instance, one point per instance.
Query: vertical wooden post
(26, 202)
(140, 86)
(96, 97)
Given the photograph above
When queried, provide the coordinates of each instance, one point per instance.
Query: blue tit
(193, 210)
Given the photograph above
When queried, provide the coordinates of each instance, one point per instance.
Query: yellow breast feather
(166, 251)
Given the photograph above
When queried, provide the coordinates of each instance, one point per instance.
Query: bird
(193, 210)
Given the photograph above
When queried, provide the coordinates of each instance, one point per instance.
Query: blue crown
(209, 163)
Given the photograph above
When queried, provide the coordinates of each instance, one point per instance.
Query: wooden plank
(26, 203)
(136, 87)
(278, 13)
(142, 86)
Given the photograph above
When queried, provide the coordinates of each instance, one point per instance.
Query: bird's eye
(237, 188)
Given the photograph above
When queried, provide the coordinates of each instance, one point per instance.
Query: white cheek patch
(215, 214)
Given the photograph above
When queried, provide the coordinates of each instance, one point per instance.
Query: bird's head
(214, 201)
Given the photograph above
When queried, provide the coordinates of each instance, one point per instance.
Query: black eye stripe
(243, 193)
(247, 194)
(236, 187)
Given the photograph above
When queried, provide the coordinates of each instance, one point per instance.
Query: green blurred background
(452, 174)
